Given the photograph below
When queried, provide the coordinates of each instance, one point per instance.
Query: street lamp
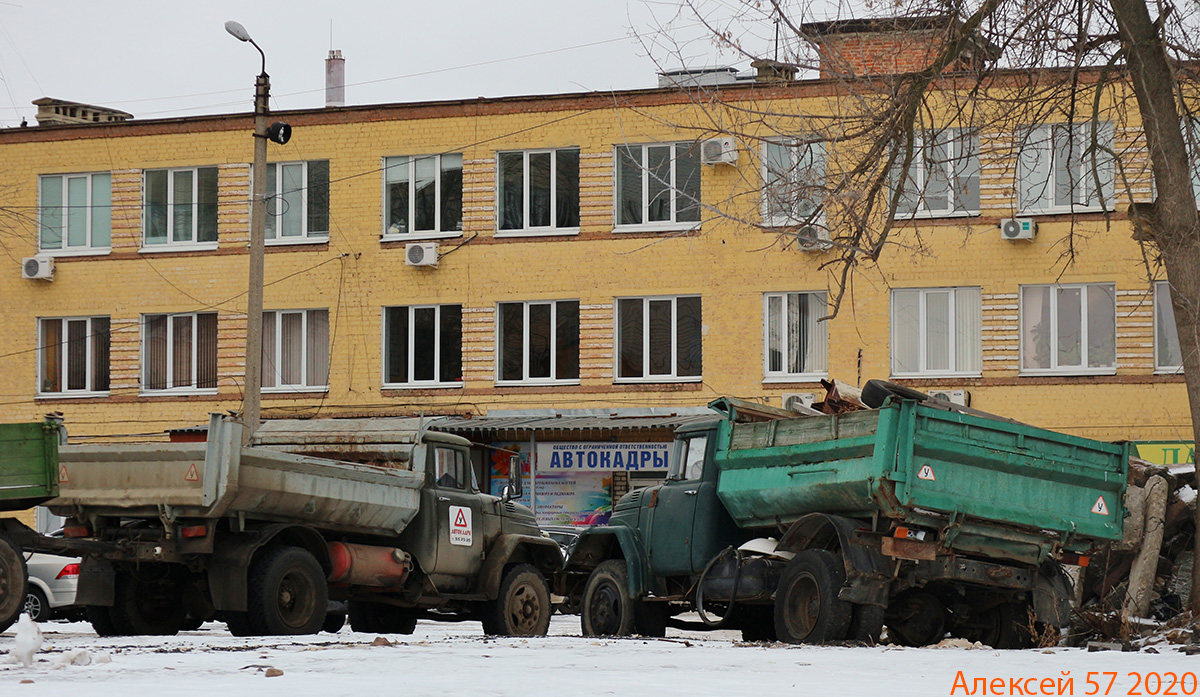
(252, 383)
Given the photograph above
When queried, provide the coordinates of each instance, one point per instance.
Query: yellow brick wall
(729, 263)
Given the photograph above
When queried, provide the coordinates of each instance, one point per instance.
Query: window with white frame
(1069, 329)
(658, 185)
(179, 352)
(422, 346)
(73, 356)
(1191, 139)
(423, 195)
(539, 341)
(943, 177)
(659, 338)
(180, 207)
(75, 212)
(538, 190)
(299, 201)
(937, 332)
(795, 342)
(1168, 357)
(793, 182)
(1064, 167)
(295, 350)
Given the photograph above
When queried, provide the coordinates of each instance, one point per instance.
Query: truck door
(671, 530)
(460, 538)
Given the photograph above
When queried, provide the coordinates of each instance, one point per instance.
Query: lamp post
(252, 383)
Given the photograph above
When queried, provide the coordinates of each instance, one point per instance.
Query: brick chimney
(854, 48)
(335, 79)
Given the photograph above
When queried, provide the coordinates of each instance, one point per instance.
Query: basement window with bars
(422, 346)
(180, 210)
(179, 353)
(75, 213)
(539, 342)
(659, 339)
(295, 350)
(73, 356)
(298, 196)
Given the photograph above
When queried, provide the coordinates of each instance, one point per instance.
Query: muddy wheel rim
(803, 605)
(524, 608)
(605, 609)
(295, 598)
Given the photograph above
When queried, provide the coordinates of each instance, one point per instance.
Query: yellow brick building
(123, 340)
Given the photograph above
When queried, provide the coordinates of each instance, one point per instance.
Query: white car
(53, 581)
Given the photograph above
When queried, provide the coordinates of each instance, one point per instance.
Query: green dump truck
(28, 477)
(918, 514)
(383, 514)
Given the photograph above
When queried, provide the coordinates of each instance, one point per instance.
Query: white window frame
(436, 383)
(957, 139)
(437, 232)
(674, 224)
(89, 247)
(784, 375)
(171, 245)
(796, 180)
(1054, 368)
(1038, 142)
(1162, 293)
(90, 359)
(542, 230)
(277, 208)
(276, 363)
(922, 333)
(170, 355)
(646, 377)
(525, 379)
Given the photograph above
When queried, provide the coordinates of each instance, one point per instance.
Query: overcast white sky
(164, 58)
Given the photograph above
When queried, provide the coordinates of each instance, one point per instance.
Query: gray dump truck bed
(356, 475)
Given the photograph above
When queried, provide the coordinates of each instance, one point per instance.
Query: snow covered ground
(455, 660)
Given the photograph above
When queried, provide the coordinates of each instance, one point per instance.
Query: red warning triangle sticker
(192, 475)
(63, 477)
(1100, 508)
(460, 521)
(926, 473)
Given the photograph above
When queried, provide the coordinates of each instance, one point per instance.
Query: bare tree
(994, 65)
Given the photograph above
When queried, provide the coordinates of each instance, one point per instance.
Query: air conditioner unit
(719, 151)
(41, 268)
(812, 238)
(793, 399)
(421, 254)
(1018, 228)
(959, 397)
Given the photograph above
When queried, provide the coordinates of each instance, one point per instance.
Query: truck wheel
(333, 623)
(147, 608)
(100, 617)
(523, 606)
(238, 624)
(1007, 626)
(807, 607)
(36, 605)
(12, 583)
(758, 623)
(607, 607)
(916, 618)
(866, 624)
(378, 618)
(875, 392)
(287, 592)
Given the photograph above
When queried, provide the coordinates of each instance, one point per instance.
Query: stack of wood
(1140, 585)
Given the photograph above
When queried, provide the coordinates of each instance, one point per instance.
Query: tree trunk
(1175, 222)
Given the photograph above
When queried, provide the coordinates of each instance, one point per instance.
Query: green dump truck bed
(987, 485)
(28, 465)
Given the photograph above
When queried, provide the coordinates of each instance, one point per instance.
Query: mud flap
(868, 571)
(1052, 595)
(97, 582)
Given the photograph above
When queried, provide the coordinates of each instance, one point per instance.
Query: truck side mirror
(514, 488)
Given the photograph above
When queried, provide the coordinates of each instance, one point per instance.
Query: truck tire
(875, 392)
(807, 607)
(607, 607)
(100, 617)
(916, 618)
(1007, 626)
(13, 580)
(143, 607)
(287, 592)
(523, 606)
(866, 624)
(758, 623)
(378, 618)
(238, 624)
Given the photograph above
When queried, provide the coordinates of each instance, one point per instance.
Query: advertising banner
(575, 498)
(591, 457)
(1165, 452)
(499, 465)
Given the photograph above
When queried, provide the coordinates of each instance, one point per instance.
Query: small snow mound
(1186, 494)
(956, 643)
(73, 657)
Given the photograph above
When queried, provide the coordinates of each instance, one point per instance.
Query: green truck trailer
(28, 477)
(919, 514)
